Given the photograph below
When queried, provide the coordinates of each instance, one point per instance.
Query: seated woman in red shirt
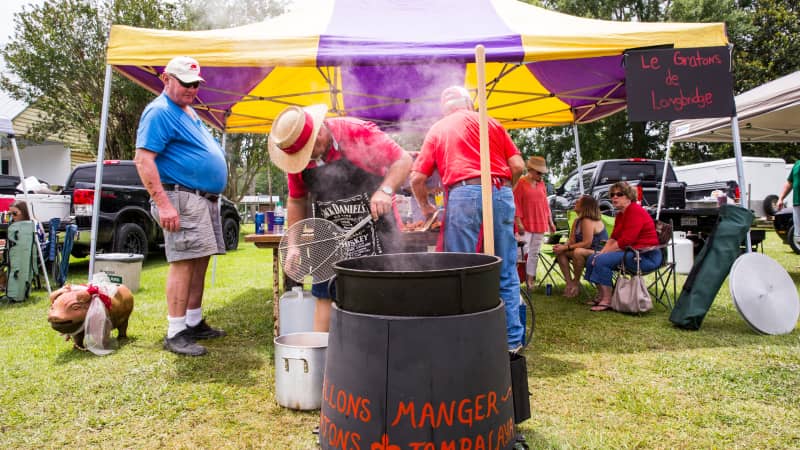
(634, 228)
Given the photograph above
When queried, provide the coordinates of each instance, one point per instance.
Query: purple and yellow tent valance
(387, 61)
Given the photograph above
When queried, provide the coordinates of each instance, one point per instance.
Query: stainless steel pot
(299, 369)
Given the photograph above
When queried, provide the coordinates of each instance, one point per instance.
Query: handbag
(630, 293)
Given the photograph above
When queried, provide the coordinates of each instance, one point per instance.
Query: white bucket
(684, 253)
(296, 311)
(121, 268)
(299, 369)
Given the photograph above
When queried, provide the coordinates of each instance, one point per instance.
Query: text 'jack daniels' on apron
(340, 192)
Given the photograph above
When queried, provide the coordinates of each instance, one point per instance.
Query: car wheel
(792, 241)
(230, 233)
(130, 238)
(770, 205)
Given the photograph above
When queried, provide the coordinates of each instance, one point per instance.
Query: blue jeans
(601, 266)
(463, 220)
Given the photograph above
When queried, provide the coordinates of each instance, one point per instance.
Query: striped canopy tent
(387, 61)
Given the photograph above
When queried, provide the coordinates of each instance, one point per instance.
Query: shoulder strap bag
(630, 293)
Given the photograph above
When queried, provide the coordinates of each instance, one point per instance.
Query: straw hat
(293, 135)
(537, 163)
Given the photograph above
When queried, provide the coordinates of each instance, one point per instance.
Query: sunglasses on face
(192, 85)
(616, 194)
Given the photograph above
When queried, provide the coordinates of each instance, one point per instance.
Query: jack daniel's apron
(340, 193)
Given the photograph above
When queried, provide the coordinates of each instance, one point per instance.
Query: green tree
(56, 60)
(62, 71)
(766, 45)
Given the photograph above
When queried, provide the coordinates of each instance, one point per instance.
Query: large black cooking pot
(418, 284)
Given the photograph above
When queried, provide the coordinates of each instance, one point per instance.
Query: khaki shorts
(201, 229)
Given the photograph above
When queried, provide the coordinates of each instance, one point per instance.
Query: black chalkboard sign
(678, 83)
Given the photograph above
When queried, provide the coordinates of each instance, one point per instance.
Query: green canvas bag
(712, 266)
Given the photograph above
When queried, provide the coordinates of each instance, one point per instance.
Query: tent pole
(578, 153)
(219, 209)
(737, 151)
(30, 209)
(98, 175)
(663, 179)
(486, 174)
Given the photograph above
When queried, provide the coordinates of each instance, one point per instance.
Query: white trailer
(764, 178)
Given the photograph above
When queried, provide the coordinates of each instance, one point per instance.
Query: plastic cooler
(121, 268)
(47, 206)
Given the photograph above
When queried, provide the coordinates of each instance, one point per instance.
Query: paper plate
(764, 294)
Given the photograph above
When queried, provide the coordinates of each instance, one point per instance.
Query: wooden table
(271, 241)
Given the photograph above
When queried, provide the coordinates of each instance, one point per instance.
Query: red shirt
(635, 228)
(532, 207)
(452, 146)
(365, 145)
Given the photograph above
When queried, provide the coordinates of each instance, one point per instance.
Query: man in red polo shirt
(345, 169)
(452, 146)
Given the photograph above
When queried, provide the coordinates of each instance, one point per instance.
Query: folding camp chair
(549, 262)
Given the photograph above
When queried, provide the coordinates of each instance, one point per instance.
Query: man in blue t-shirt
(183, 168)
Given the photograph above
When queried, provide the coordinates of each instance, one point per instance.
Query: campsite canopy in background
(768, 113)
(387, 61)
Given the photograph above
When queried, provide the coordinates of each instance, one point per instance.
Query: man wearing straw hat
(183, 168)
(452, 146)
(344, 168)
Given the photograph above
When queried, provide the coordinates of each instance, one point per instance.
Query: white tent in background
(768, 113)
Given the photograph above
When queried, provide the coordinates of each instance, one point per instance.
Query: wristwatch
(387, 190)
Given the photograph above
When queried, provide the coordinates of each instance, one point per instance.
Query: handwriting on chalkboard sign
(673, 84)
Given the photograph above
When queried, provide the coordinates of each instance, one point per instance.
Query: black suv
(125, 224)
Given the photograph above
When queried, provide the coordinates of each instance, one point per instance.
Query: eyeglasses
(616, 194)
(192, 85)
(15, 213)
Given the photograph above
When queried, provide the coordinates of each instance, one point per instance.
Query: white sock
(194, 316)
(176, 325)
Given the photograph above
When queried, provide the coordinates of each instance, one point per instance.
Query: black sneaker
(183, 344)
(203, 331)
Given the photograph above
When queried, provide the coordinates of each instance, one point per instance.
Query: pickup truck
(125, 224)
(645, 175)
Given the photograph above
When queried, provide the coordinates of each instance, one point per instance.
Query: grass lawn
(598, 380)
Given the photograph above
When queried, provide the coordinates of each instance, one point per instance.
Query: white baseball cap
(185, 69)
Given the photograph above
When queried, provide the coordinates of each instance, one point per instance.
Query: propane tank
(684, 253)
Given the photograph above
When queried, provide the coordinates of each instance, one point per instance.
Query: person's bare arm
(517, 166)
(787, 187)
(381, 202)
(146, 166)
(296, 208)
(587, 231)
(420, 192)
